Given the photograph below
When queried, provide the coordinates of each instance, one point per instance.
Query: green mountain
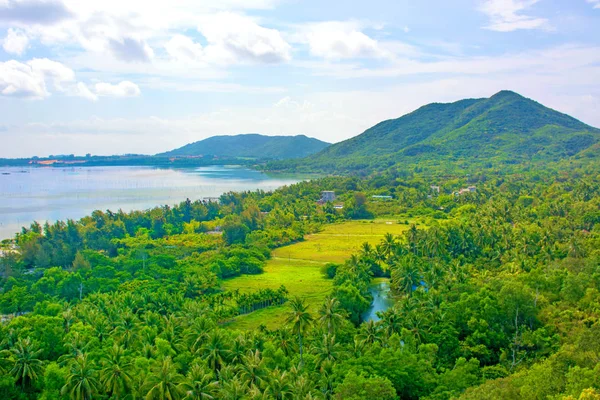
(505, 128)
(251, 146)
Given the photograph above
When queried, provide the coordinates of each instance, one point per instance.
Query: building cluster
(327, 196)
(470, 189)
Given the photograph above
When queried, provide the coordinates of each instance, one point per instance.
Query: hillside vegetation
(251, 146)
(506, 128)
(496, 295)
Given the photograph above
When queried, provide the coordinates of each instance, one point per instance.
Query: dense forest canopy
(497, 295)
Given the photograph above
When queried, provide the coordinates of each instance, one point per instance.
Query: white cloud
(122, 89)
(595, 3)
(338, 40)
(507, 15)
(37, 12)
(33, 79)
(40, 77)
(15, 42)
(85, 92)
(130, 50)
(237, 38)
(183, 48)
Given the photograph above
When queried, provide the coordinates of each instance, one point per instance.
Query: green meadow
(298, 267)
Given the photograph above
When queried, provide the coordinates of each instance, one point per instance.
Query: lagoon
(53, 193)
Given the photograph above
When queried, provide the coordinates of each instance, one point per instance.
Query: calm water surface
(381, 300)
(51, 194)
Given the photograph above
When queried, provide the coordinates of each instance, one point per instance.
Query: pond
(380, 290)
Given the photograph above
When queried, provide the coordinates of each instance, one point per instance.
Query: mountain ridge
(505, 127)
(251, 145)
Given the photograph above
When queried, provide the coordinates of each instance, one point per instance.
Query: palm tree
(406, 277)
(238, 350)
(330, 315)
(76, 346)
(327, 349)
(127, 329)
(27, 366)
(81, 382)
(199, 332)
(388, 245)
(412, 237)
(366, 250)
(369, 332)
(252, 369)
(301, 387)
(233, 389)
(214, 350)
(255, 393)
(300, 320)
(163, 381)
(278, 385)
(199, 384)
(115, 376)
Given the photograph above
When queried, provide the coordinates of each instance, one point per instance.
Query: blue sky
(138, 76)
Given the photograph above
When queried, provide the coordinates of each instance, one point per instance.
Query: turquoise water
(51, 194)
(381, 301)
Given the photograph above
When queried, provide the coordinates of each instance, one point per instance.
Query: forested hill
(252, 146)
(506, 128)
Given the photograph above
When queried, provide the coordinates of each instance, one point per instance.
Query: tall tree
(330, 315)
(82, 383)
(115, 375)
(28, 366)
(163, 381)
(300, 319)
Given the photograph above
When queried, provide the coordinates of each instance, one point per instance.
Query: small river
(381, 300)
(41, 194)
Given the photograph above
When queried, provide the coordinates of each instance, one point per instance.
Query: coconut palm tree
(330, 315)
(199, 384)
(388, 245)
(238, 350)
(163, 381)
(115, 376)
(407, 276)
(299, 318)
(27, 367)
(198, 332)
(327, 349)
(369, 332)
(81, 383)
(252, 369)
(215, 350)
(278, 385)
(233, 389)
(127, 329)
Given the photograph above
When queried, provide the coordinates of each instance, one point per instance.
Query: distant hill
(251, 146)
(505, 128)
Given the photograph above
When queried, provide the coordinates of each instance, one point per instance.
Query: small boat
(6, 173)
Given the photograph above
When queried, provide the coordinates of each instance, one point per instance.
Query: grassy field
(298, 267)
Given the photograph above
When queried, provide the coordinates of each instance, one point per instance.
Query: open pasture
(298, 267)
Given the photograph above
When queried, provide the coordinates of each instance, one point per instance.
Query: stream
(381, 300)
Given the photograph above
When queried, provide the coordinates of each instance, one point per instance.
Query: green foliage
(497, 299)
(357, 387)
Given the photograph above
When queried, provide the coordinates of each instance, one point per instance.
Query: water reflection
(381, 300)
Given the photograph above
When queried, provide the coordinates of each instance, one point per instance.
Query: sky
(138, 76)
